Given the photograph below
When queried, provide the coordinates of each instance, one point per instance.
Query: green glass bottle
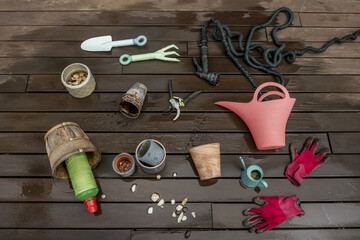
(82, 180)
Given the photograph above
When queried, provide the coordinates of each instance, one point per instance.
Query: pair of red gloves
(275, 210)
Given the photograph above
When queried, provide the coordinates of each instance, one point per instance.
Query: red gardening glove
(305, 162)
(273, 211)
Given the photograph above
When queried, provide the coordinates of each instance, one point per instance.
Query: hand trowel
(105, 43)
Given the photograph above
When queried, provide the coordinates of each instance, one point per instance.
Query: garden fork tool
(159, 55)
(177, 102)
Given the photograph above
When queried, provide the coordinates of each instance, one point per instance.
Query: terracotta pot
(121, 158)
(207, 160)
(266, 120)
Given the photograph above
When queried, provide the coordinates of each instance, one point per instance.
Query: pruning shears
(177, 102)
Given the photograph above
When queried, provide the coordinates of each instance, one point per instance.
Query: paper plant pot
(85, 88)
(207, 160)
(64, 140)
(266, 120)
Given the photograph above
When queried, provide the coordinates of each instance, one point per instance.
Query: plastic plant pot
(120, 160)
(82, 90)
(147, 168)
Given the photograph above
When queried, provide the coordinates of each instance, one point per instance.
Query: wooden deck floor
(38, 39)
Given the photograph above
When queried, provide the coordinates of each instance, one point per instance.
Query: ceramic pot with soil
(124, 164)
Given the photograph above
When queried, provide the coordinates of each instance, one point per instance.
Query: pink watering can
(266, 120)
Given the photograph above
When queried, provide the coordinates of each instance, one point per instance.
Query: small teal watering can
(252, 176)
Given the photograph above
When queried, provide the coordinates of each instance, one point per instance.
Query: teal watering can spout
(243, 163)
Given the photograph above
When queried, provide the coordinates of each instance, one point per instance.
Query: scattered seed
(172, 201)
(184, 201)
(150, 210)
(180, 217)
(161, 202)
(184, 218)
(193, 214)
(162, 206)
(187, 234)
(133, 187)
(103, 196)
(185, 209)
(179, 207)
(158, 177)
(178, 212)
(174, 174)
(155, 197)
(173, 215)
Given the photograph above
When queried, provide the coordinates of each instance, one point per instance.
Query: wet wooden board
(345, 142)
(56, 49)
(174, 143)
(332, 20)
(126, 18)
(306, 66)
(105, 102)
(333, 6)
(316, 215)
(303, 34)
(189, 122)
(190, 83)
(61, 234)
(293, 234)
(81, 33)
(223, 190)
(311, 66)
(110, 5)
(13, 83)
(112, 215)
(344, 50)
(38, 166)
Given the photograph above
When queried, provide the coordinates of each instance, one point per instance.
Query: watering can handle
(243, 163)
(256, 94)
(271, 93)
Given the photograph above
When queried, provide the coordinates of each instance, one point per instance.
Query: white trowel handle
(139, 41)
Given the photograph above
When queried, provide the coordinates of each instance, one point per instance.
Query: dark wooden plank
(307, 66)
(13, 83)
(126, 18)
(112, 215)
(57, 65)
(345, 50)
(317, 215)
(224, 190)
(345, 142)
(311, 66)
(173, 142)
(190, 83)
(80, 33)
(122, 5)
(293, 234)
(38, 166)
(45, 234)
(105, 102)
(303, 34)
(330, 20)
(58, 49)
(190, 122)
(333, 6)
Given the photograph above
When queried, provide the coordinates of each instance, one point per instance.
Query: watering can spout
(238, 108)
